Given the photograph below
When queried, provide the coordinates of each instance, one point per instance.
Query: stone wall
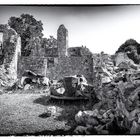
(57, 67)
(10, 50)
(78, 51)
(62, 40)
(13, 67)
(33, 63)
(68, 66)
(60, 61)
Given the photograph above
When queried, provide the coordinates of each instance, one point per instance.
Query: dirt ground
(26, 114)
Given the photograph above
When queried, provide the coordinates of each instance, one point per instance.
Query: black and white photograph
(69, 70)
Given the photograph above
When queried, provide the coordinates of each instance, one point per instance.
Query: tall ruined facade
(62, 40)
(70, 60)
(10, 48)
(59, 60)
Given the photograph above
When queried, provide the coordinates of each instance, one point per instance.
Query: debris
(71, 87)
(81, 130)
(45, 81)
(87, 117)
(135, 129)
(27, 86)
(78, 117)
(52, 109)
(35, 80)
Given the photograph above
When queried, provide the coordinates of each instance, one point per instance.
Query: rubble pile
(31, 80)
(104, 70)
(118, 109)
(117, 112)
(5, 78)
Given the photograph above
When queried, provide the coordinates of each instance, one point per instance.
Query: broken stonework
(62, 40)
(10, 49)
(103, 69)
(122, 57)
(60, 61)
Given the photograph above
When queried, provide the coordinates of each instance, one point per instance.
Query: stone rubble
(117, 111)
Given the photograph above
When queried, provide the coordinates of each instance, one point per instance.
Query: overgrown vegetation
(30, 31)
(132, 48)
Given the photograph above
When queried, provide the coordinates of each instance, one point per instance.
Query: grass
(26, 114)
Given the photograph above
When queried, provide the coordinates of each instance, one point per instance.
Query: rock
(87, 117)
(52, 109)
(133, 114)
(92, 121)
(45, 81)
(136, 82)
(107, 113)
(135, 129)
(106, 79)
(81, 130)
(27, 86)
(103, 132)
(93, 113)
(79, 118)
(102, 111)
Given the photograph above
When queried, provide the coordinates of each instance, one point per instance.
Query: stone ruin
(54, 62)
(10, 46)
(59, 61)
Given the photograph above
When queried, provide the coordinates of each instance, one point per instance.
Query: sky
(99, 28)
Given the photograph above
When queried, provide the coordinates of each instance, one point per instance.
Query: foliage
(30, 31)
(50, 42)
(132, 48)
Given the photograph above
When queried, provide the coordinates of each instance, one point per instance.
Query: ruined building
(10, 46)
(60, 60)
(54, 61)
(62, 40)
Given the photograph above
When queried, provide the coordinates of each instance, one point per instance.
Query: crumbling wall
(62, 40)
(13, 67)
(103, 65)
(78, 51)
(69, 66)
(59, 61)
(8, 44)
(56, 68)
(10, 50)
(35, 64)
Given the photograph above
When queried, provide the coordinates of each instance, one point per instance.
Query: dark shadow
(70, 109)
(46, 100)
(45, 115)
(43, 100)
(45, 133)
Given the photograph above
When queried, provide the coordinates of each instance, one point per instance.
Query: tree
(30, 31)
(132, 48)
(128, 45)
(50, 42)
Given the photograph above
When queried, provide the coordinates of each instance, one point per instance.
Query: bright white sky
(100, 28)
